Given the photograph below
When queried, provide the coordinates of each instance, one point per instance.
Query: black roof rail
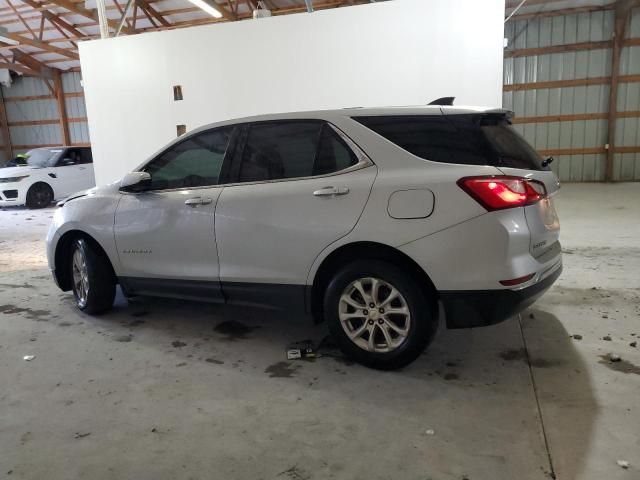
(444, 101)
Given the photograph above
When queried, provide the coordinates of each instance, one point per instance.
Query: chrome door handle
(331, 191)
(194, 202)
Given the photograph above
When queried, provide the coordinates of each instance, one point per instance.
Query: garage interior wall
(33, 117)
(557, 72)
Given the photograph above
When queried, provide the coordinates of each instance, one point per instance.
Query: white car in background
(376, 221)
(46, 174)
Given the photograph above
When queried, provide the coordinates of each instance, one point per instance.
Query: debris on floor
(614, 357)
(606, 338)
(430, 431)
(633, 344)
(178, 344)
(28, 358)
(81, 435)
(301, 350)
(623, 463)
(576, 337)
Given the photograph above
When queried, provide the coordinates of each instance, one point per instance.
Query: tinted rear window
(476, 139)
(293, 149)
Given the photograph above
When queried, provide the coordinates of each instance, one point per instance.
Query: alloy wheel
(374, 315)
(80, 277)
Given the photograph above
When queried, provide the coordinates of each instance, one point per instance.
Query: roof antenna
(444, 101)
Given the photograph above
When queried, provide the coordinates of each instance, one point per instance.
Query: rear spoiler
(503, 112)
(444, 101)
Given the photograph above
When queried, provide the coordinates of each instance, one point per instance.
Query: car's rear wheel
(39, 195)
(378, 314)
(94, 287)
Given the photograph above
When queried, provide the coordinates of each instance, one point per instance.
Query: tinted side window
(333, 154)
(432, 138)
(279, 150)
(510, 147)
(70, 156)
(476, 139)
(85, 155)
(194, 162)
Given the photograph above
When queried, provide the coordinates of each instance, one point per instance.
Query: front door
(298, 187)
(165, 234)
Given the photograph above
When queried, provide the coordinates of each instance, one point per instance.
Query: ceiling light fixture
(207, 7)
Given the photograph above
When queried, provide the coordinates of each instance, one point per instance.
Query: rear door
(297, 187)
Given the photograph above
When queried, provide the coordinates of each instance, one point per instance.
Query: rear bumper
(479, 308)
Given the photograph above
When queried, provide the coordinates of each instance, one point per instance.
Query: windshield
(42, 157)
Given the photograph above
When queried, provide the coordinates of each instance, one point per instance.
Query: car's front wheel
(378, 314)
(93, 284)
(39, 195)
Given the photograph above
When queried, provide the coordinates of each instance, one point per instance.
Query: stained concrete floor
(162, 389)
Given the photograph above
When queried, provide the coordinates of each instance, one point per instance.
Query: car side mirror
(135, 182)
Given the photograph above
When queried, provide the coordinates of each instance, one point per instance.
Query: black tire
(39, 195)
(101, 284)
(423, 323)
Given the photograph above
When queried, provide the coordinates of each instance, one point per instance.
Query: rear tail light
(499, 192)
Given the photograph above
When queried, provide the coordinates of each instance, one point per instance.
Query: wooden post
(622, 11)
(6, 135)
(62, 110)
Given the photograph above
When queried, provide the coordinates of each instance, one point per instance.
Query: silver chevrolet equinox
(377, 221)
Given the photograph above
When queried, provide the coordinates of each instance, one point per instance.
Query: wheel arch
(38, 182)
(362, 251)
(63, 255)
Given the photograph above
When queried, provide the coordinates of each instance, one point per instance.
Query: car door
(87, 177)
(165, 234)
(71, 173)
(298, 186)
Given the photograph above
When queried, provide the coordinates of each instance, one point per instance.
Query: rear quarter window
(474, 139)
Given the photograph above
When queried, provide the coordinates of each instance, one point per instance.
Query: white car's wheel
(378, 314)
(39, 195)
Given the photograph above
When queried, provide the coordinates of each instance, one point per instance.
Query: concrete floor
(164, 390)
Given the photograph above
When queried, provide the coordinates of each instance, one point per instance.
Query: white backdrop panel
(401, 52)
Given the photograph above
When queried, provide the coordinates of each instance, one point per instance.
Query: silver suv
(370, 219)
